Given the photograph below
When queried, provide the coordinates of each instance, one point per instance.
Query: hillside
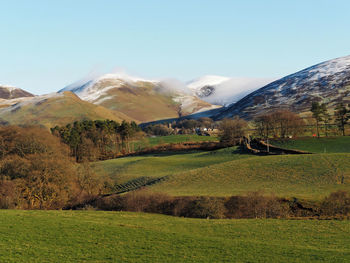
(229, 172)
(327, 82)
(140, 99)
(54, 109)
(159, 165)
(303, 176)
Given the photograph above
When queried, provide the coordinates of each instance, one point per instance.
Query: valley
(157, 170)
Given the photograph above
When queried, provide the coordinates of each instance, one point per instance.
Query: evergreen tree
(341, 117)
(318, 112)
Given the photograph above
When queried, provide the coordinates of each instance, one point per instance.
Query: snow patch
(21, 102)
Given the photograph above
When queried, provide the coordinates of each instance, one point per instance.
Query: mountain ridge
(326, 82)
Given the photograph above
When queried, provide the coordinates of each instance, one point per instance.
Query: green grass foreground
(96, 236)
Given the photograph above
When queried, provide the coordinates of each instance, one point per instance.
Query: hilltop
(54, 109)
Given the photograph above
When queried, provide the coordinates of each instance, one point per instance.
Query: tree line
(284, 123)
(100, 139)
(322, 116)
(249, 205)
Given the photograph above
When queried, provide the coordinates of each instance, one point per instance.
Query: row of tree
(100, 139)
(281, 123)
(284, 123)
(322, 116)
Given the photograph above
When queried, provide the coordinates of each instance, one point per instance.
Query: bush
(255, 205)
(9, 196)
(204, 207)
(158, 130)
(337, 203)
(251, 205)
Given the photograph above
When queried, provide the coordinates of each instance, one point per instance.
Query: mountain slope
(140, 99)
(327, 82)
(9, 92)
(223, 90)
(54, 109)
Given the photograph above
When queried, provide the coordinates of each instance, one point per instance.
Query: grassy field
(158, 165)
(303, 176)
(90, 236)
(317, 145)
(228, 172)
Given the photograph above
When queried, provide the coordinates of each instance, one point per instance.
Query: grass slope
(88, 236)
(317, 145)
(58, 110)
(302, 176)
(125, 169)
(228, 172)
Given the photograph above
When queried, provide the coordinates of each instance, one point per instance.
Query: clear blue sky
(46, 45)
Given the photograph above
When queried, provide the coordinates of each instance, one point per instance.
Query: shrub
(204, 207)
(255, 205)
(337, 203)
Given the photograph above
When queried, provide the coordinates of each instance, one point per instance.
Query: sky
(46, 45)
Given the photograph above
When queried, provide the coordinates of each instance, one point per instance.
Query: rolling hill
(54, 109)
(309, 177)
(140, 99)
(228, 172)
(327, 82)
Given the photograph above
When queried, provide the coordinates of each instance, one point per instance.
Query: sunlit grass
(158, 165)
(302, 176)
(90, 236)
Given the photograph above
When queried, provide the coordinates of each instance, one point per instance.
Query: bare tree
(281, 123)
(232, 130)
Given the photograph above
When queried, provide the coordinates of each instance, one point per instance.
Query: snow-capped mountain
(223, 90)
(139, 98)
(327, 82)
(10, 92)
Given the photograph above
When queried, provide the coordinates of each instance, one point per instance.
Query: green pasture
(122, 170)
(96, 236)
(303, 176)
(317, 145)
